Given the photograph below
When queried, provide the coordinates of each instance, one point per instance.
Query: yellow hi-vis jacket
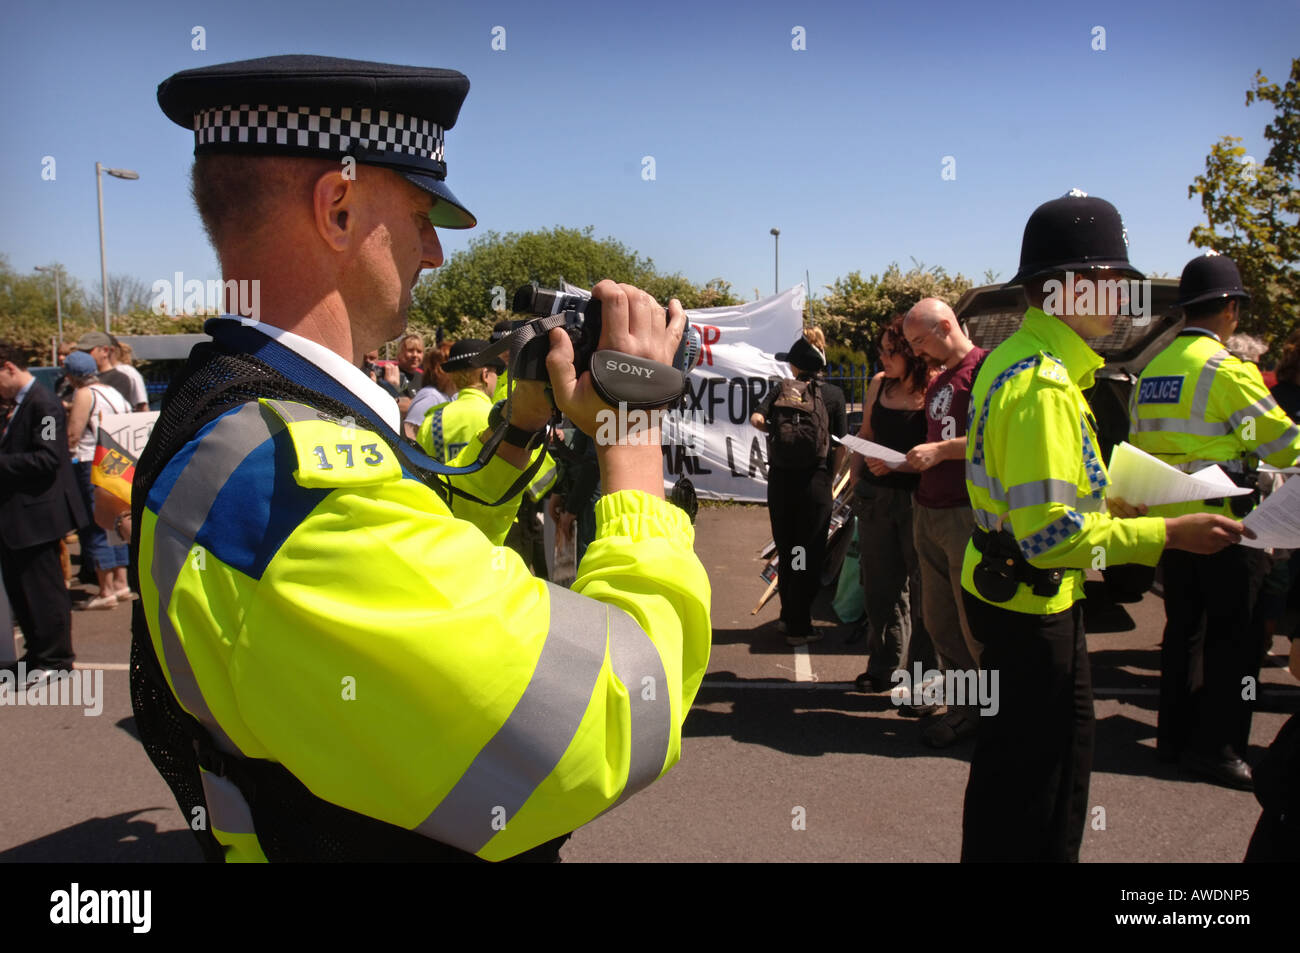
(1032, 462)
(313, 603)
(1195, 405)
(446, 435)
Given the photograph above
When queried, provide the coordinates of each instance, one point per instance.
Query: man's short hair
(1206, 310)
(236, 195)
(12, 354)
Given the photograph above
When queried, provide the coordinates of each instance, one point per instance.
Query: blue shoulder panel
(257, 508)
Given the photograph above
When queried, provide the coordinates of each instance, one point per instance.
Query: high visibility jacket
(548, 472)
(1033, 464)
(448, 428)
(450, 434)
(1195, 405)
(313, 602)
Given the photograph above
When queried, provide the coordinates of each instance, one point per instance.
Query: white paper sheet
(1140, 479)
(1276, 521)
(875, 451)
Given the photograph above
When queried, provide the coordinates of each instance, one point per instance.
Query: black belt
(1003, 567)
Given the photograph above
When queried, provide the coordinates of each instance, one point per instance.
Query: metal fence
(850, 378)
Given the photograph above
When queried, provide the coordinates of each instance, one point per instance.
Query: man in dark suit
(39, 505)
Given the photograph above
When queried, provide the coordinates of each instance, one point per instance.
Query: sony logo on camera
(623, 367)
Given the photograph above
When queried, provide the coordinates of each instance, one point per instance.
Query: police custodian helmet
(1210, 276)
(329, 108)
(1073, 233)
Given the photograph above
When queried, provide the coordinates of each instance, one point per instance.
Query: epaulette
(333, 451)
(1052, 370)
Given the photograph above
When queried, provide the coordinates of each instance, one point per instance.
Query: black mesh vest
(291, 823)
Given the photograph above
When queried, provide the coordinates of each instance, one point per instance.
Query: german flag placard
(114, 467)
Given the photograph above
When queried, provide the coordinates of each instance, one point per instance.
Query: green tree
(463, 296)
(1253, 209)
(858, 308)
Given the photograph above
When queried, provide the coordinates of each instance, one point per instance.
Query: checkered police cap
(325, 107)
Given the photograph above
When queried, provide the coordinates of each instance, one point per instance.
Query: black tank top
(899, 430)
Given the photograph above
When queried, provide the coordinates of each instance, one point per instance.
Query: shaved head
(927, 312)
(932, 329)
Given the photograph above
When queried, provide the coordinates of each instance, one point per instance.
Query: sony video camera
(619, 378)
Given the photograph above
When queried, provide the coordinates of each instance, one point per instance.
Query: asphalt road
(782, 761)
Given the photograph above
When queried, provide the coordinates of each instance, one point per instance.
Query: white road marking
(802, 665)
(106, 666)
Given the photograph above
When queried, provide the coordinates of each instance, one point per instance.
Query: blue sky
(840, 145)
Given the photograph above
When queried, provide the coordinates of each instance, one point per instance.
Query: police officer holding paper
(1197, 405)
(1037, 487)
(328, 662)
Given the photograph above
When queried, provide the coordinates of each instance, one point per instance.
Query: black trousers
(799, 506)
(1211, 643)
(1027, 797)
(34, 580)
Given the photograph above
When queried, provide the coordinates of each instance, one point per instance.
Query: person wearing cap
(333, 661)
(448, 428)
(1195, 405)
(92, 400)
(1037, 486)
(100, 346)
(799, 492)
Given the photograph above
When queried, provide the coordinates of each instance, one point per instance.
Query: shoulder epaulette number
(333, 451)
(1052, 370)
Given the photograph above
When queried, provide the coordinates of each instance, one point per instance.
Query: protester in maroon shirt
(942, 520)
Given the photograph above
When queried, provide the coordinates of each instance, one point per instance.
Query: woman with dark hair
(893, 416)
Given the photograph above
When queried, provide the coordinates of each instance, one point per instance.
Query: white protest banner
(710, 440)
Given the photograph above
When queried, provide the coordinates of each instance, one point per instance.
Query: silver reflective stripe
(292, 410)
(985, 520)
(635, 660)
(1038, 492)
(980, 477)
(183, 512)
(1281, 443)
(527, 748)
(1198, 428)
(1257, 409)
(1205, 383)
(227, 809)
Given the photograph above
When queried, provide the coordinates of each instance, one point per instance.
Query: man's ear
(334, 206)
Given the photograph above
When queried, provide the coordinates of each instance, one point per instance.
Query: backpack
(799, 425)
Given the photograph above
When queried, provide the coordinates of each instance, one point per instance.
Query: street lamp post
(103, 266)
(776, 261)
(58, 304)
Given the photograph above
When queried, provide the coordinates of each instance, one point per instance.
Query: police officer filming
(334, 657)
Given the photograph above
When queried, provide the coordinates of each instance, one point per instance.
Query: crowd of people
(971, 544)
(499, 712)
